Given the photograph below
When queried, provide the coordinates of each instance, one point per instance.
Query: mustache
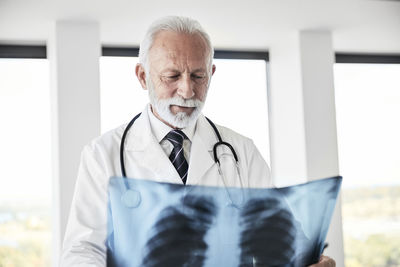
(179, 101)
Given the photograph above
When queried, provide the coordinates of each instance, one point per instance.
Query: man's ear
(213, 69)
(141, 75)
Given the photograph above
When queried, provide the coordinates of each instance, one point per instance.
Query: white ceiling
(357, 25)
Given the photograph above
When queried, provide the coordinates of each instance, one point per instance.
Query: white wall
(356, 25)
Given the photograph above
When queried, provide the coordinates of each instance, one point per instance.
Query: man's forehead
(170, 36)
(172, 45)
(173, 51)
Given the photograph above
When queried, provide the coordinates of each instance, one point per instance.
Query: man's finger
(324, 261)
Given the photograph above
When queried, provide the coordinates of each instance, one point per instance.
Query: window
(121, 96)
(25, 183)
(368, 112)
(237, 97)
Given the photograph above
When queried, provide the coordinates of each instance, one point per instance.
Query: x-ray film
(160, 224)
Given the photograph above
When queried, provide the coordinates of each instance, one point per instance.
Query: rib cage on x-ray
(172, 225)
(178, 235)
(268, 234)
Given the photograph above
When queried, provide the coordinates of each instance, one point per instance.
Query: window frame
(40, 51)
(23, 51)
(114, 51)
(358, 58)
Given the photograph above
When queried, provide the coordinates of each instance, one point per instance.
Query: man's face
(178, 77)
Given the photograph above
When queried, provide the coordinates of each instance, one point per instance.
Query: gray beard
(162, 107)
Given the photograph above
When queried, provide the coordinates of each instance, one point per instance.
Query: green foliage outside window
(371, 220)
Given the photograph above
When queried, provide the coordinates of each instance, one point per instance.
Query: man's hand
(324, 261)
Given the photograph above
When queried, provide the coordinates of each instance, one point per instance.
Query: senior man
(171, 141)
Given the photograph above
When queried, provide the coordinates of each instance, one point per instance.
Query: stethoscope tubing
(121, 150)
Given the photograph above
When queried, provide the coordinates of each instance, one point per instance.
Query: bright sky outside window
(368, 112)
(25, 183)
(237, 97)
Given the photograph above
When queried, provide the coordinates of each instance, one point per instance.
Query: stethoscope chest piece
(131, 198)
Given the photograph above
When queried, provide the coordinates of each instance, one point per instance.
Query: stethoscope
(216, 159)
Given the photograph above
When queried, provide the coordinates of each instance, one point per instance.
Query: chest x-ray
(161, 224)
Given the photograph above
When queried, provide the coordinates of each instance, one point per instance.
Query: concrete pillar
(302, 117)
(286, 118)
(74, 52)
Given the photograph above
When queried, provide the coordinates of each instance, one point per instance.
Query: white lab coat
(84, 242)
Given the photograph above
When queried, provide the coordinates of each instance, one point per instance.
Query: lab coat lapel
(145, 149)
(201, 152)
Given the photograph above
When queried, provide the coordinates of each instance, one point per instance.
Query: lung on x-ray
(156, 224)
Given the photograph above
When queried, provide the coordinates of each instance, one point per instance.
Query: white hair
(174, 24)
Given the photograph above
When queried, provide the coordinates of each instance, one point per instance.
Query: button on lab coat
(84, 242)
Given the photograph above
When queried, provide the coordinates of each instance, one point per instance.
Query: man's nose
(186, 87)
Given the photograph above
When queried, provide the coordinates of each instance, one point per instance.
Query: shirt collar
(160, 129)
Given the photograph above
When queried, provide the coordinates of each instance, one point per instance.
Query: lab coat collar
(141, 141)
(140, 134)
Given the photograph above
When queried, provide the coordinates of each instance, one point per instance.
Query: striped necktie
(177, 157)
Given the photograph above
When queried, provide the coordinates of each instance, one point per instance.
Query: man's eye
(198, 76)
(171, 77)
